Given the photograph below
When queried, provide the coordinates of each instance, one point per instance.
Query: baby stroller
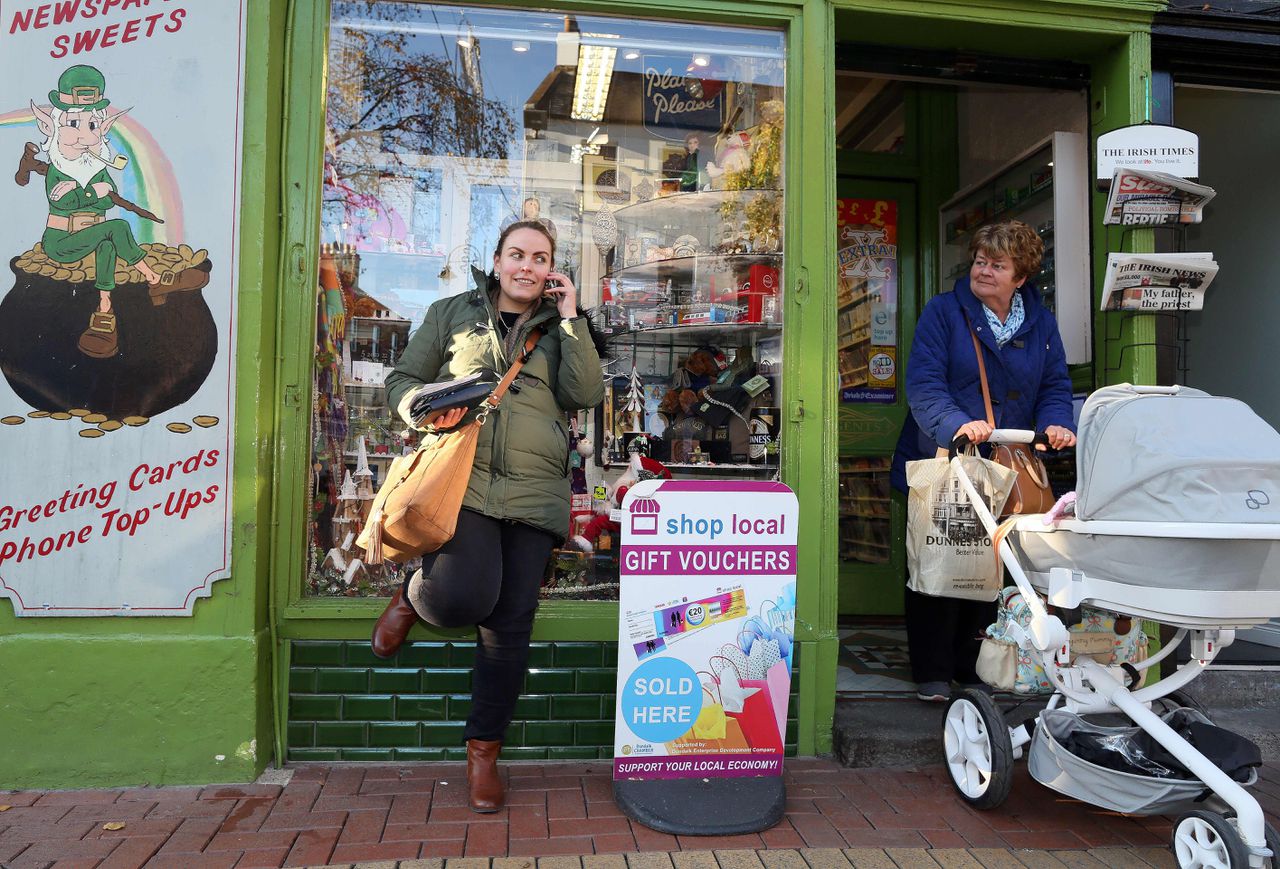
(1177, 520)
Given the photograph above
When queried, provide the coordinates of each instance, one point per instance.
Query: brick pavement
(347, 814)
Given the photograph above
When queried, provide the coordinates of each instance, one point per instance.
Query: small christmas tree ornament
(635, 401)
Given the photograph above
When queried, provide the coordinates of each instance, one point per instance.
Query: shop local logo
(644, 515)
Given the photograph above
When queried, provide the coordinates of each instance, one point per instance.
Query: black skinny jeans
(944, 635)
(488, 575)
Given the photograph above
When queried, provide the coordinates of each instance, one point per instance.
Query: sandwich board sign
(706, 629)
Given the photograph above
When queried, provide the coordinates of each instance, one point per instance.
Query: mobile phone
(550, 284)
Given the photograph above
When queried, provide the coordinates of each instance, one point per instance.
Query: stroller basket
(1051, 764)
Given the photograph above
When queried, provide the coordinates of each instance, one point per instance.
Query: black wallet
(433, 399)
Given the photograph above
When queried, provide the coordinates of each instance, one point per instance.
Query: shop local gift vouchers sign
(707, 619)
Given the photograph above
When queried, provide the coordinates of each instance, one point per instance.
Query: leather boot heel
(393, 626)
(483, 780)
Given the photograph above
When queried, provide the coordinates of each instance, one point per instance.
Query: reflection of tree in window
(391, 91)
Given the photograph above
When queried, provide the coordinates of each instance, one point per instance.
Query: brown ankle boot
(393, 625)
(487, 792)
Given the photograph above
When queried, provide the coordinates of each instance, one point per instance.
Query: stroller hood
(1179, 455)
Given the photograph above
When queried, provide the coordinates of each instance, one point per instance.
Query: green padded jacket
(521, 471)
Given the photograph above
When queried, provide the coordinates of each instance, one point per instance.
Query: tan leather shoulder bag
(416, 508)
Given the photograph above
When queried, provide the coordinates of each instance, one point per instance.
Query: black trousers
(943, 636)
(488, 575)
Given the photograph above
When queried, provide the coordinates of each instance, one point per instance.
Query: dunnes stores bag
(949, 552)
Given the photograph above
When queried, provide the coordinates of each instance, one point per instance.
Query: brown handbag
(416, 508)
(1031, 492)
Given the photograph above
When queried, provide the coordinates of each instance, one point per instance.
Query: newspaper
(1142, 198)
(1157, 281)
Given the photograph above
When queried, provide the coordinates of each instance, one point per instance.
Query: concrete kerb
(809, 858)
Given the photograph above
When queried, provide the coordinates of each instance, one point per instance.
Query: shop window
(651, 150)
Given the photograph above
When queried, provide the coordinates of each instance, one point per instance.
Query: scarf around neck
(1012, 323)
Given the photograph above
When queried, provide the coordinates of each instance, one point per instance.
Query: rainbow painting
(147, 181)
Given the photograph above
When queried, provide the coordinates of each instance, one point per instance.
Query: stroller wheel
(1207, 840)
(979, 752)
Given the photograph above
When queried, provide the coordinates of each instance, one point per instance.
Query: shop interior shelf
(1042, 196)
(681, 269)
(698, 203)
(724, 467)
(695, 334)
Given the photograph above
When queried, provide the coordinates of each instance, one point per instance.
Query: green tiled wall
(345, 704)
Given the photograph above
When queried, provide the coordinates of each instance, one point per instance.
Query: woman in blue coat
(1030, 389)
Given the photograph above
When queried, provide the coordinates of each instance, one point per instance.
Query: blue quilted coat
(1028, 377)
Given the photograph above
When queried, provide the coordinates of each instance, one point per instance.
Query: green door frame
(877, 588)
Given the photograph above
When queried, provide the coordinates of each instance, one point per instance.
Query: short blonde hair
(1011, 238)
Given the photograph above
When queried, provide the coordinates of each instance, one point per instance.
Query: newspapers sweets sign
(1153, 147)
(707, 619)
(117, 303)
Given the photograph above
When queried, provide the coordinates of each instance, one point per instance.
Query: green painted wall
(117, 701)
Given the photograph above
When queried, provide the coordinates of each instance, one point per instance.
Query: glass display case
(691, 315)
(692, 319)
(1047, 188)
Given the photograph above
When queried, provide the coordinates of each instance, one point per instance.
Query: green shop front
(754, 200)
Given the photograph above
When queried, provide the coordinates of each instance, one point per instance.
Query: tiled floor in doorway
(873, 661)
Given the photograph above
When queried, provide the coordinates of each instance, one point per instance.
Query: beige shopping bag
(948, 550)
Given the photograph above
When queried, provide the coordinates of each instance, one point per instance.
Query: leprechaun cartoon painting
(96, 320)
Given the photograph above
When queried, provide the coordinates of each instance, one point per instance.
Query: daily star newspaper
(1157, 281)
(1143, 198)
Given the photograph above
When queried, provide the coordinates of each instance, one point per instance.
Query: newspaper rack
(1173, 337)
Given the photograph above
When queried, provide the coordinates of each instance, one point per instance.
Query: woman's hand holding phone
(561, 289)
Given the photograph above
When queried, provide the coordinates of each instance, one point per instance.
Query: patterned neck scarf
(511, 342)
(1012, 323)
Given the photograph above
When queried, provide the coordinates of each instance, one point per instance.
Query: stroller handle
(1002, 436)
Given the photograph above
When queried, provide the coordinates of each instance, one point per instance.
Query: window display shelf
(728, 467)
(693, 205)
(692, 334)
(684, 269)
(701, 324)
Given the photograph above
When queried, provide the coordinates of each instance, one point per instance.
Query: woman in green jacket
(517, 503)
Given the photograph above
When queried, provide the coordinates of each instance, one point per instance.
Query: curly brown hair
(1011, 238)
